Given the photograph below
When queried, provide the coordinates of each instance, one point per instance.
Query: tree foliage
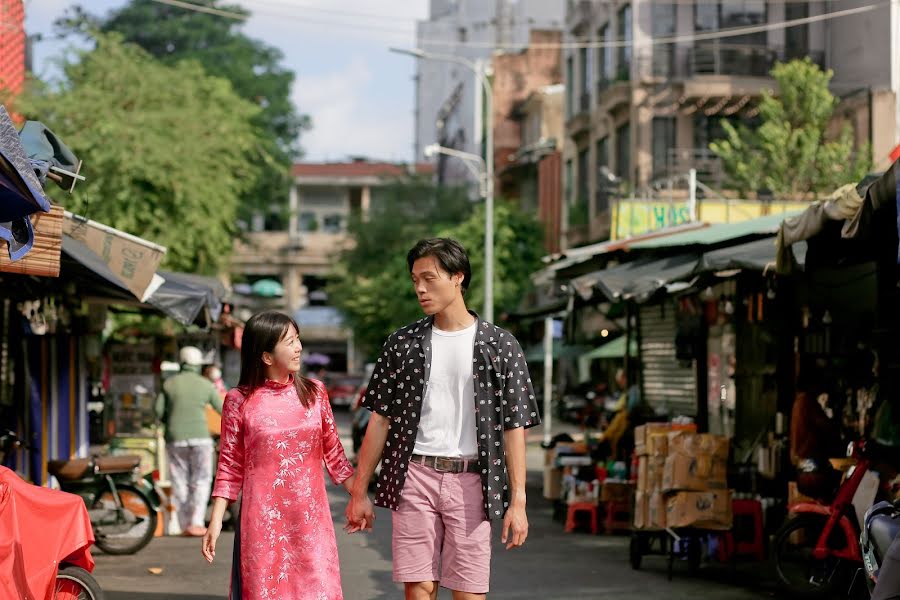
(372, 285)
(790, 153)
(173, 34)
(167, 150)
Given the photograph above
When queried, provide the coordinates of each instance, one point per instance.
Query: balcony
(681, 160)
(715, 58)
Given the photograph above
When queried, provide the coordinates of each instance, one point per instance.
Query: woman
(277, 428)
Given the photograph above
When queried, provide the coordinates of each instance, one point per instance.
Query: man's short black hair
(449, 254)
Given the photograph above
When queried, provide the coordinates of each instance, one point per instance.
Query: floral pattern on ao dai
(272, 448)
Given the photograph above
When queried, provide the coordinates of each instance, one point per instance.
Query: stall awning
(636, 280)
(173, 294)
(758, 255)
(535, 354)
(717, 234)
(613, 349)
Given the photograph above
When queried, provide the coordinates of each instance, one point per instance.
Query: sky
(360, 96)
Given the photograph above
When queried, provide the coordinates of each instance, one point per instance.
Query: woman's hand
(209, 540)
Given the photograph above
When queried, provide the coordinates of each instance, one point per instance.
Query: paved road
(552, 565)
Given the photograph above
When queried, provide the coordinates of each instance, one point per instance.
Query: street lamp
(486, 183)
(473, 162)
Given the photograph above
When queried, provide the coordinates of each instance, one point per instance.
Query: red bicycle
(817, 548)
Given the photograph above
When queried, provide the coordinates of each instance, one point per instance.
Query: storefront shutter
(668, 383)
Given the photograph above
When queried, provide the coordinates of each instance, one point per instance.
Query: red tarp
(39, 528)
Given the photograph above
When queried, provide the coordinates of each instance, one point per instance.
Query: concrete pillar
(641, 135)
(293, 208)
(365, 202)
(775, 38)
(292, 282)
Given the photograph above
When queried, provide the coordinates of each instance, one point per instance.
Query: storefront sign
(130, 258)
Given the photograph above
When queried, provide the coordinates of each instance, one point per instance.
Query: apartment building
(644, 112)
(447, 97)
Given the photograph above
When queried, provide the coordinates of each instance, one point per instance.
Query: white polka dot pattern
(503, 399)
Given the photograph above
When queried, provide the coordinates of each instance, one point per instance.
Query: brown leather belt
(444, 464)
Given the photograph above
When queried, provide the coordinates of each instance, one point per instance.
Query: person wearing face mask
(214, 374)
(182, 409)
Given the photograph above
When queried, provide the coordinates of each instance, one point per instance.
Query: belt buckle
(446, 462)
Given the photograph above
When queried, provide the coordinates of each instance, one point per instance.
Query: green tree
(173, 34)
(790, 153)
(167, 150)
(372, 285)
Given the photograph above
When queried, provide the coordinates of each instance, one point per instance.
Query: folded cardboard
(694, 444)
(615, 491)
(694, 473)
(657, 516)
(641, 510)
(709, 510)
(642, 434)
(552, 483)
(643, 475)
(655, 467)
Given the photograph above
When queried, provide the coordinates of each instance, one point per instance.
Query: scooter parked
(45, 539)
(122, 505)
(882, 525)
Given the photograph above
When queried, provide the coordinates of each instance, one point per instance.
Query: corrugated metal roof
(360, 169)
(715, 234)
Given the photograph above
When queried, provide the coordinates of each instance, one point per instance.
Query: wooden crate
(43, 258)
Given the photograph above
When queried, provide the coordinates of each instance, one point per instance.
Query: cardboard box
(694, 444)
(614, 491)
(641, 510)
(643, 474)
(552, 483)
(657, 511)
(710, 510)
(694, 473)
(655, 467)
(642, 433)
(658, 444)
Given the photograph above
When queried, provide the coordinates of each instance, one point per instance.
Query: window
(601, 159)
(745, 13)
(569, 177)
(623, 152)
(570, 85)
(624, 72)
(663, 141)
(333, 223)
(606, 67)
(796, 38)
(663, 17)
(307, 221)
(584, 79)
(579, 209)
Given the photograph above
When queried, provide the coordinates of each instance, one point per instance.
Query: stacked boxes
(682, 479)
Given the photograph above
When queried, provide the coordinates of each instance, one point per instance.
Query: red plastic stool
(741, 545)
(579, 507)
(618, 516)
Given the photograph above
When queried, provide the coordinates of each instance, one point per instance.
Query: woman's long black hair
(261, 334)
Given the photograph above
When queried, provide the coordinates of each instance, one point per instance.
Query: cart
(663, 542)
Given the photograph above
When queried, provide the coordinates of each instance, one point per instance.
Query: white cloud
(345, 121)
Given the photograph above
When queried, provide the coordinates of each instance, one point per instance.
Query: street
(553, 564)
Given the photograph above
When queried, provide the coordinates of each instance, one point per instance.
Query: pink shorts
(440, 532)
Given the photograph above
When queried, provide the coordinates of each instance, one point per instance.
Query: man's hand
(360, 514)
(515, 522)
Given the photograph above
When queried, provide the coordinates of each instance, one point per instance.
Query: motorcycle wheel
(74, 583)
(795, 567)
(135, 526)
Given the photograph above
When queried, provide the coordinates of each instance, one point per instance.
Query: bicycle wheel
(798, 571)
(74, 583)
(128, 530)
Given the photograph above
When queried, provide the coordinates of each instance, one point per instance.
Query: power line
(204, 9)
(367, 15)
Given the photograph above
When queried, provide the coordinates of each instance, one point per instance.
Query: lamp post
(486, 182)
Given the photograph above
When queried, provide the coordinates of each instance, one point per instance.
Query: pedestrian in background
(277, 429)
(182, 406)
(214, 374)
(450, 399)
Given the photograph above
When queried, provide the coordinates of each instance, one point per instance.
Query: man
(182, 408)
(450, 399)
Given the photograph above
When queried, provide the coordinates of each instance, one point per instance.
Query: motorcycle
(817, 548)
(881, 527)
(123, 506)
(53, 559)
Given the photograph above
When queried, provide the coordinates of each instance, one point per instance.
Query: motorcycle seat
(117, 464)
(69, 470)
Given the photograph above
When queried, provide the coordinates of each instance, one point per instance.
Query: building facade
(297, 247)
(447, 98)
(643, 113)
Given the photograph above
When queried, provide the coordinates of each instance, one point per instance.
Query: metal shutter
(668, 383)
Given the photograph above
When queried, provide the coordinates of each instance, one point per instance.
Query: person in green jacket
(182, 408)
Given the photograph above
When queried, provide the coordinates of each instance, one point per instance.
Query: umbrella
(316, 359)
(21, 193)
(268, 288)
